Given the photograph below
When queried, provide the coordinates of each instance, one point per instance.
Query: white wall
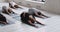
(49, 5)
(26, 3)
(52, 6)
(2, 0)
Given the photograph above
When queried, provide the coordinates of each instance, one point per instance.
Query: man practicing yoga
(12, 4)
(29, 19)
(3, 20)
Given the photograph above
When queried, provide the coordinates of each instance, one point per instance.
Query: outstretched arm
(31, 24)
(7, 11)
(38, 15)
(31, 18)
(44, 15)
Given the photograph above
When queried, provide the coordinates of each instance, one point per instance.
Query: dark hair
(10, 5)
(4, 7)
(2, 19)
(24, 17)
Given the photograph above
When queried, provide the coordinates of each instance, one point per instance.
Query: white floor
(52, 25)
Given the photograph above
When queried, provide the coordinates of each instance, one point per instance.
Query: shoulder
(31, 9)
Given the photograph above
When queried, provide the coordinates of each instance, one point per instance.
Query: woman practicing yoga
(6, 10)
(12, 4)
(29, 19)
(3, 20)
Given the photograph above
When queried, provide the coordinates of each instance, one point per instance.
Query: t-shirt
(33, 10)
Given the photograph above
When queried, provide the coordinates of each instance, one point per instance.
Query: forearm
(7, 12)
(38, 15)
(32, 18)
(31, 23)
